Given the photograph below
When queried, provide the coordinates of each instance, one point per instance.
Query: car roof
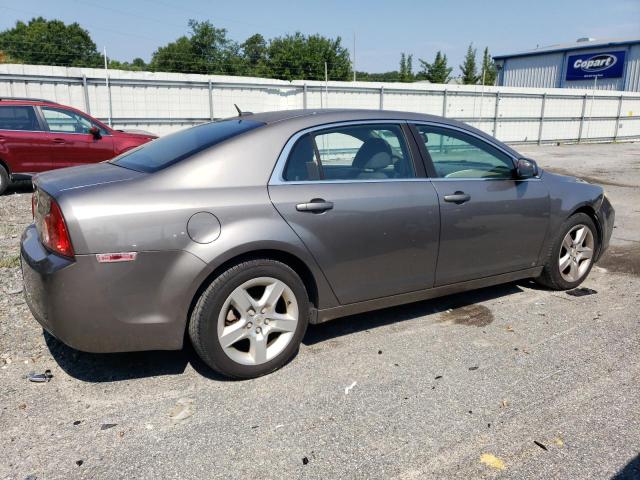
(26, 101)
(328, 115)
(296, 120)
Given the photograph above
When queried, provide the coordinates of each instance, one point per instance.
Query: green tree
(469, 68)
(438, 71)
(403, 67)
(49, 42)
(254, 56)
(206, 50)
(301, 56)
(489, 71)
(393, 76)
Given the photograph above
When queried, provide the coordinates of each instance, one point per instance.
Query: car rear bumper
(606, 216)
(109, 307)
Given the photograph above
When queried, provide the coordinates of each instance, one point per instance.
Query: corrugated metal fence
(164, 102)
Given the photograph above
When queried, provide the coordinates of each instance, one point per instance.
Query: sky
(382, 28)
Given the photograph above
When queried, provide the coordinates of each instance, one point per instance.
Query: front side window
(458, 155)
(354, 152)
(18, 118)
(65, 121)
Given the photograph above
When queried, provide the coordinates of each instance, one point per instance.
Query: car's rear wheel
(251, 319)
(4, 179)
(571, 255)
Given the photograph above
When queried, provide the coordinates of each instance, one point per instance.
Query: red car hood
(134, 133)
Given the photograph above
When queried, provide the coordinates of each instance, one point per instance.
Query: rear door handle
(314, 206)
(59, 140)
(457, 197)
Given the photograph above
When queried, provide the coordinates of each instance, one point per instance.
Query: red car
(39, 135)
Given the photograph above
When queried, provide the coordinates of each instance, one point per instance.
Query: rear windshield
(173, 148)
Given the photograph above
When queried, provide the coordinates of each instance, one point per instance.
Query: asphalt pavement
(513, 381)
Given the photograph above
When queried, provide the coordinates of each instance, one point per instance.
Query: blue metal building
(586, 63)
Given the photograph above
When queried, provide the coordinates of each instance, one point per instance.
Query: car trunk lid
(57, 181)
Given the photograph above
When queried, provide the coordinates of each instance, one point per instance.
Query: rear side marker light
(116, 257)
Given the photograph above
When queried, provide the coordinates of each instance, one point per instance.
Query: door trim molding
(327, 314)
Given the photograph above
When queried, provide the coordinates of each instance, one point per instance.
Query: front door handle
(458, 197)
(59, 140)
(317, 205)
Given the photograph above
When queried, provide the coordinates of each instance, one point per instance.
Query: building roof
(580, 44)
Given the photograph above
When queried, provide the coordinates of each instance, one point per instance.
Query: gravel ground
(506, 382)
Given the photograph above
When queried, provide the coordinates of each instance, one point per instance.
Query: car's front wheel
(4, 179)
(571, 255)
(251, 319)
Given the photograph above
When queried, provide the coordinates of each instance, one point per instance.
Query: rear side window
(354, 152)
(18, 118)
(171, 149)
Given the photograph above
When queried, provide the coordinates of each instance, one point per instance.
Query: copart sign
(600, 65)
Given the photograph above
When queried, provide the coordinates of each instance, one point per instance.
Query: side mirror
(526, 168)
(95, 131)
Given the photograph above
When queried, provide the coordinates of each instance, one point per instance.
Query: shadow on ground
(115, 367)
(459, 303)
(631, 471)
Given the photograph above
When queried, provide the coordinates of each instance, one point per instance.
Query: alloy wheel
(576, 253)
(257, 321)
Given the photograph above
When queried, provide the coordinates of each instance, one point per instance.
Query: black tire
(5, 181)
(551, 276)
(203, 324)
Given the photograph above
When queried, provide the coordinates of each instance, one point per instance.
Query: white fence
(163, 102)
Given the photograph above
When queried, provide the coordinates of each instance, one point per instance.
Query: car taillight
(50, 223)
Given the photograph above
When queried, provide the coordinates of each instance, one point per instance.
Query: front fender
(567, 195)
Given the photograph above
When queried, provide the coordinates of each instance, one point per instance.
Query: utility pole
(106, 81)
(353, 60)
(326, 85)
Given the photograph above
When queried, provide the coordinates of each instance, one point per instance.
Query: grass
(12, 261)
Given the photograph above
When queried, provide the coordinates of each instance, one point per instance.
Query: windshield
(173, 148)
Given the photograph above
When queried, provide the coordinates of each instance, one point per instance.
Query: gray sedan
(238, 233)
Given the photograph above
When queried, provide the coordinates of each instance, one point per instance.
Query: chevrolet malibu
(241, 232)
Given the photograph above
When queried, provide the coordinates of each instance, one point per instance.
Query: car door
(22, 142)
(352, 195)
(71, 142)
(491, 222)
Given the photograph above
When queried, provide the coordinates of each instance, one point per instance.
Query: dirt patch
(622, 259)
(469, 315)
(586, 178)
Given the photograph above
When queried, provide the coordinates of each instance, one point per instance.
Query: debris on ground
(509, 328)
(438, 377)
(107, 426)
(581, 292)
(542, 446)
(473, 368)
(504, 404)
(182, 410)
(305, 460)
(492, 461)
(348, 389)
(558, 442)
(40, 377)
